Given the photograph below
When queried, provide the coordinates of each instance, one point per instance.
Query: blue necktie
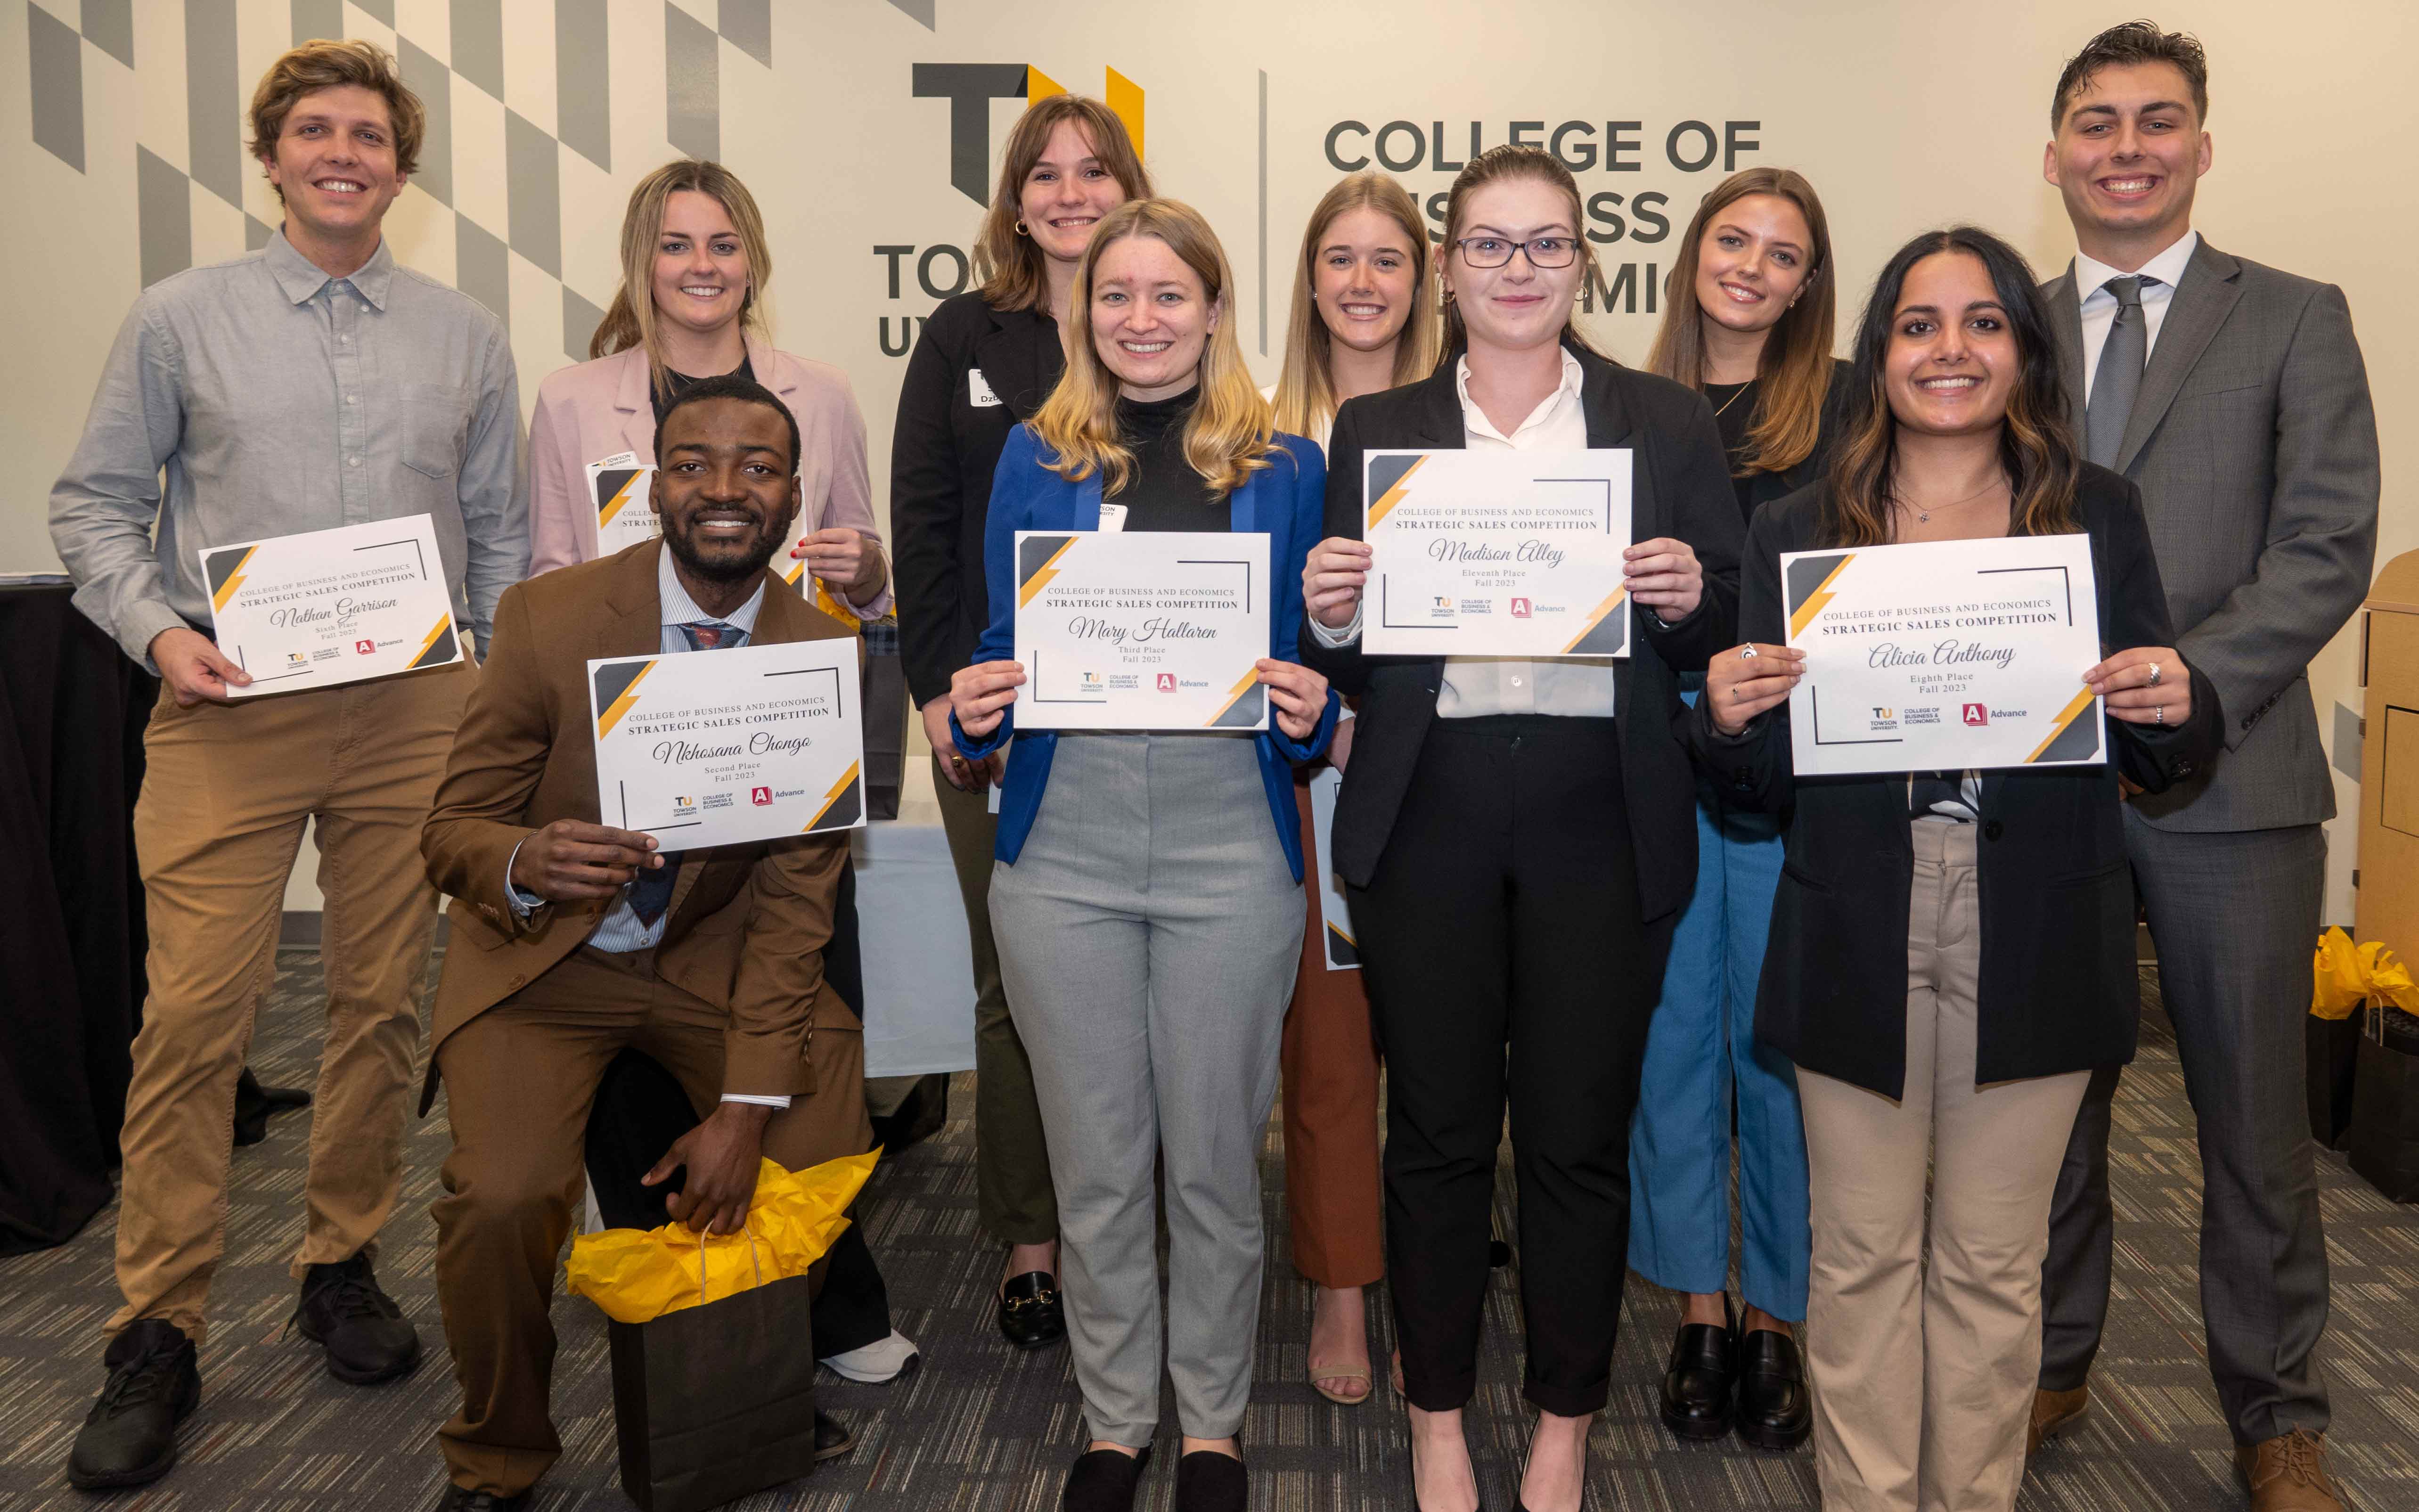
(650, 891)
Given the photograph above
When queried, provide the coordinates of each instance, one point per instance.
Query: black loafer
(1775, 1410)
(1104, 1480)
(130, 1436)
(1698, 1382)
(458, 1500)
(1030, 1316)
(833, 1438)
(1208, 1481)
(367, 1338)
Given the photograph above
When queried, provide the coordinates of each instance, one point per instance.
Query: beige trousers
(1923, 1350)
(226, 792)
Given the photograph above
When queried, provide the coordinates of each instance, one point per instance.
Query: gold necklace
(1924, 512)
(1735, 398)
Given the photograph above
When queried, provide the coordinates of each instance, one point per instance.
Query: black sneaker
(130, 1436)
(367, 1338)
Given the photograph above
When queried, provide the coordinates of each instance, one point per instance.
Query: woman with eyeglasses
(1516, 836)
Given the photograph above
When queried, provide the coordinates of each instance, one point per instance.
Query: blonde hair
(631, 320)
(324, 64)
(1497, 164)
(1794, 373)
(1306, 402)
(1230, 432)
(1008, 264)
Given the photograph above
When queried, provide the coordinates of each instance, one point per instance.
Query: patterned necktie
(650, 892)
(2119, 378)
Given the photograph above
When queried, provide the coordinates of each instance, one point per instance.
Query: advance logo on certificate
(1157, 630)
(1944, 655)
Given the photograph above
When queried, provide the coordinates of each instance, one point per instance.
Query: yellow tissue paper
(2345, 976)
(636, 1275)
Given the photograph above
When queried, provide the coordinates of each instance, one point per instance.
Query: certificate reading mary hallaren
(1944, 655)
(720, 748)
(1157, 630)
(328, 606)
(1496, 553)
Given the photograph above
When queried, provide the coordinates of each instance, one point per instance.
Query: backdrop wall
(870, 130)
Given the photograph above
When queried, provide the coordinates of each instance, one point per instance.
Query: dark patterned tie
(650, 892)
(2119, 378)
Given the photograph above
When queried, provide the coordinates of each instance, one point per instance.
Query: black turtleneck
(1163, 493)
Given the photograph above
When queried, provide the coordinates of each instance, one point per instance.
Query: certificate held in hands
(1944, 655)
(720, 748)
(1147, 631)
(329, 606)
(1496, 553)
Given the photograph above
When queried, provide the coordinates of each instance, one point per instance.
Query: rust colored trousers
(1329, 1067)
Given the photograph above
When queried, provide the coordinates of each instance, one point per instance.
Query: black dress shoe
(1775, 1410)
(833, 1438)
(458, 1500)
(1030, 1316)
(1698, 1383)
(1208, 1481)
(367, 1338)
(255, 1104)
(130, 1436)
(1104, 1480)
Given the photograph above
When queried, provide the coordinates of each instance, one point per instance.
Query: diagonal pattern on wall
(472, 59)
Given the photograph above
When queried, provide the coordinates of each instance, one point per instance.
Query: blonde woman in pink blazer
(691, 305)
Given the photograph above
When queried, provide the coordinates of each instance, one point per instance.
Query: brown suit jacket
(747, 923)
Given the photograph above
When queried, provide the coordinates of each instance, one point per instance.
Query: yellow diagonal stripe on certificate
(621, 496)
(1816, 600)
(226, 589)
(443, 621)
(621, 705)
(1596, 617)
(1387, 501)
(1234, 696)
(833, 796)
(1043, 573)
(2058, 727)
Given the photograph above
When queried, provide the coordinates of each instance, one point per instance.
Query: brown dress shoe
(2287, 1474)
(2054, 1411)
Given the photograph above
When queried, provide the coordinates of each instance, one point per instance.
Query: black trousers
(1505, 961)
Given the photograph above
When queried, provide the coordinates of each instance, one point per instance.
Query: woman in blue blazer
(1147, 897)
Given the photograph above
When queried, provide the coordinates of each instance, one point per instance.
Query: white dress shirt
(621, 931)
(2091, 278)
(1571, 686)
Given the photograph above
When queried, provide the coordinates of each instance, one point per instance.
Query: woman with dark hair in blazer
(1148, 892)
(1747, 322)
(984, 362)
(1518, 836)
(1952, 953)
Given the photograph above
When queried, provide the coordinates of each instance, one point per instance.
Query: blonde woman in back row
(1364, 318)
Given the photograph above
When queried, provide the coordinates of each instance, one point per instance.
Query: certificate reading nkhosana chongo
(1496, 553)
(1944, 655)
(334, 605)
(1150, 630)
(720, 748)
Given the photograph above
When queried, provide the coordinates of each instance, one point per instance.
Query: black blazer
(2059, 991)
(1764, 488)
(942, 455)
(1681, 488)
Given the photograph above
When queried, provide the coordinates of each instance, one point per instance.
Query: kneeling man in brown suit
(572, 940)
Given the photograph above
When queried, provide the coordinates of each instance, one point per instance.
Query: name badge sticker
(979, 390)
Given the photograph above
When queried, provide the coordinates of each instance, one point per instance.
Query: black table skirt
(72, 709)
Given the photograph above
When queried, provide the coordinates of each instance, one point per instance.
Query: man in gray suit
(2234, 394)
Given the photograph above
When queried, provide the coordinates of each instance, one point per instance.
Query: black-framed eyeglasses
(1494, 252)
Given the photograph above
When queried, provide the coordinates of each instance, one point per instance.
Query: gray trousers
(1147, 936)
(2235, 917)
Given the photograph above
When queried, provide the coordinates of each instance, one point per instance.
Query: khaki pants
(1329, 1067)
(1923, 1373)
(225, 797)
(519, 1080)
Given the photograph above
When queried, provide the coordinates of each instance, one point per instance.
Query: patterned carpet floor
(984, 1428)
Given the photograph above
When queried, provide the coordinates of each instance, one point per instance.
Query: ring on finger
(2155, 675)
(2162, 712)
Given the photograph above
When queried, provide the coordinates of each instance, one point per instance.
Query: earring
(1020, 228)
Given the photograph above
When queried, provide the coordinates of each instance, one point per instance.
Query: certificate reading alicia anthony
(1159, 630)
(328, 607)
(1496, 553)
(1944, 655)
(719, 748)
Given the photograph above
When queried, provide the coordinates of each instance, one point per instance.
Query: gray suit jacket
(2255, 446)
